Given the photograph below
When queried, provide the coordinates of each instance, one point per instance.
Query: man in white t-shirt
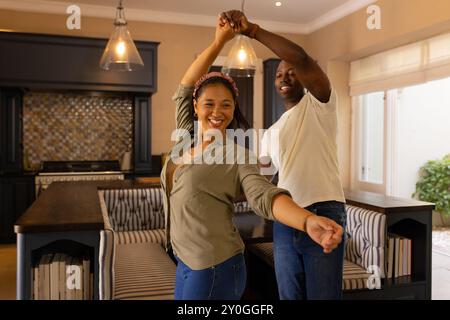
(302, 147)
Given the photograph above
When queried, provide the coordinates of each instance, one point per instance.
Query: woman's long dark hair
(239, 121)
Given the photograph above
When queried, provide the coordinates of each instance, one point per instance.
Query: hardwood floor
(8, 272)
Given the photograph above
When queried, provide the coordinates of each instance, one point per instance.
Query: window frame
(388, 145)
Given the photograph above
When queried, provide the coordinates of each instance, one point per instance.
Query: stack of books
(399, 256)
(58, 276)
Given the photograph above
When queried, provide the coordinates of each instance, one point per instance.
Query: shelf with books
(62, 270)
(31, 247)
(416, 236)
(409, 225)
(399, 256)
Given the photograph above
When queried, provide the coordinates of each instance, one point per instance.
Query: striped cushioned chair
(354, 277)
(143, 271)
(367, 238)
(242, 207)
(136, 215)
(366, 244)
(365, 247)
(134, 223)
(135, 209)
(133, 263)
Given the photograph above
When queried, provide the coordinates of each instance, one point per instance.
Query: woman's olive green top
(198, 203)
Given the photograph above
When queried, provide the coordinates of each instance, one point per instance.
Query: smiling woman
(209, 246)
(216, 106)
(215, 103)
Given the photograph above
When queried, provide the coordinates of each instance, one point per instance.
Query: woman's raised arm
(183, 95)
(202, 63)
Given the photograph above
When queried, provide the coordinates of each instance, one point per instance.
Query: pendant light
(241, 60)
(121, 53)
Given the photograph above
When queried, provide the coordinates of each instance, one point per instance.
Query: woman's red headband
(215, 74)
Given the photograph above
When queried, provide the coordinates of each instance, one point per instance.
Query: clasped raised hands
(224, 31)
(237, 20)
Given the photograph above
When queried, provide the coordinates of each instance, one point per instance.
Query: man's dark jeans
(302, 269)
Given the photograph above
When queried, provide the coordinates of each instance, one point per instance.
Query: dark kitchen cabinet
(16, 196)
(16, 190)
(51, 62)
(10, 130)
(39, 61)
(273, 104)
(142, 133)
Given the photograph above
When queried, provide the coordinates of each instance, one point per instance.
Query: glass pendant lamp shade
(241, 61)
(121, 53)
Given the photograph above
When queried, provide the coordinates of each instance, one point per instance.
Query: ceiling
(296, 16)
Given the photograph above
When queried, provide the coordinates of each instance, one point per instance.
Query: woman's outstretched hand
(324, 231)
(224, 32)
(201, 64)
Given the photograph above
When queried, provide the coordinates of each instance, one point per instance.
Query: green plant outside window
(434, 184)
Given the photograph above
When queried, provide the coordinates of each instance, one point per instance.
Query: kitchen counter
(68, 215)
(65, 216)
(69, 206)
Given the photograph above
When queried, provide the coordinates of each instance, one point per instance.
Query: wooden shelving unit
(405, 217)
(408, 218)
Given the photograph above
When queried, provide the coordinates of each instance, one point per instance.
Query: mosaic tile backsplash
(68, 126)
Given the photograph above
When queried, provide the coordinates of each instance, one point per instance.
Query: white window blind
(403, 66)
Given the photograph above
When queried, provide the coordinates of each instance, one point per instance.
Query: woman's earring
(195, 116)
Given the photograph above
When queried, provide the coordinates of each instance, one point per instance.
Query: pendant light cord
(120, 15)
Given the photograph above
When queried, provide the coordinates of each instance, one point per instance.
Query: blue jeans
(225, 281)
(302, 269)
